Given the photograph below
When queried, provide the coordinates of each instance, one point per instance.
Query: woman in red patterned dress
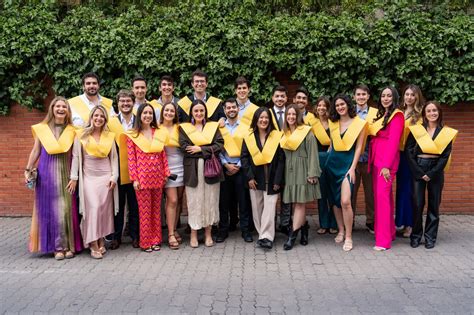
(148, 171)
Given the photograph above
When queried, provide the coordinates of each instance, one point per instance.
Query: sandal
(96, 254)
(379, 248)
(178, 237)
(339, 238)
(156, 247)
(102, 250)
(59, 255)
(209, 242)
(347, 245)
(333, 231)
(322, 231)
(68, 254)
(173, 244)
(148, 249)
(194, 243)
(406, 232)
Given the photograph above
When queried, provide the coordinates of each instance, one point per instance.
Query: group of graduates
(101, 164)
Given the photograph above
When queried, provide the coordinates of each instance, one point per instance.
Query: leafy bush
(329, 53)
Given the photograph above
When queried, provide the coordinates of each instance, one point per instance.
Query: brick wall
(16, 143)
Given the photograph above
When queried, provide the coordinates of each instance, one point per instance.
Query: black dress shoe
(114, 244)
(266, 243)
(259, 243)
(414, 243)
(370, 228)
(135, 244)
(221, 237)
(247, 237)
(429, 245)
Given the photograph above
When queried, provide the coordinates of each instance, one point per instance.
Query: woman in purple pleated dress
(55, 223)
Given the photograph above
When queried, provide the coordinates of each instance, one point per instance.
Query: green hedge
(394, 44)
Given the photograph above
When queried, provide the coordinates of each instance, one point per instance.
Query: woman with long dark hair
(55, 223)
(200, 140)
(386, 130)
(301, 171)
(95, 165)
(348, 133)
(429, 150)
(411, 104)
(148, 171)
(263, 163)
(327, 220)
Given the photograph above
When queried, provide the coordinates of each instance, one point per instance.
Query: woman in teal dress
(347, 139)
(327, 220)
(301, 171)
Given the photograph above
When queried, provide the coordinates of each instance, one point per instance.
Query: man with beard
(279, 99)
(232, 189)
(139, 89)
(82, 104)
(119, 124)
(215, 111)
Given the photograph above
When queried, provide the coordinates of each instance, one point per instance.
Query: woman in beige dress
(95, 165)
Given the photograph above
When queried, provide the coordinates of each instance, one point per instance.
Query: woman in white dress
(175, 186)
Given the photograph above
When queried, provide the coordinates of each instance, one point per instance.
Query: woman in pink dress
(95, 165)
(384, 156)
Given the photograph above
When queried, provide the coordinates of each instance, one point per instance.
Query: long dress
(337, 165)
(299, 165)
(327, 220)
(55, 222)
(98, 218)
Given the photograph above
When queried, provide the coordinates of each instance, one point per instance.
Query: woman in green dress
(347, 133)
(301, 171)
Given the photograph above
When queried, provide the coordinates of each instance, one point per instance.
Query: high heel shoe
(304, 234)
(292, 235)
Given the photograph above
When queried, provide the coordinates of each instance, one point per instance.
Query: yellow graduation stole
(83, 110)
(371, 115)
(156, 144)
(375, 127)
(173, 136)
(203, 137)
(268, 152)
(153, 103)
(436, 146)
(352, 133)
(99, 149)
(211, 105)
(291, 141)
(247, 117)
(116, 127)
(317, 128)
(232, 143)
(406, 132)
(49, 141)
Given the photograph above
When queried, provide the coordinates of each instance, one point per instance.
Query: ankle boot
(304, 234)
(292, 235)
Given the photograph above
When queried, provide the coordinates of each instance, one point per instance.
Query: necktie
(280, 119)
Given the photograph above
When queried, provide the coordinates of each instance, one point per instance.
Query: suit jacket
(384, 146)
(190, 161)
(275, 115)
(218, 113)
(276, 169)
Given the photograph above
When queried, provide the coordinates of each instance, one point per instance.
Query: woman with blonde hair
(411, 105)
(55, 223)
(95, 165)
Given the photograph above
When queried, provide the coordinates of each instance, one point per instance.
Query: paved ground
(235, 277)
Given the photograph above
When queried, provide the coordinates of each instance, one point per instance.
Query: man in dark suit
(215, 112)
(279, 100)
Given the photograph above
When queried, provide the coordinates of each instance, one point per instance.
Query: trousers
(263, 210)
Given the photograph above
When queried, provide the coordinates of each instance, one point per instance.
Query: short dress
(298, 167)
(175, 164)
(337, 165)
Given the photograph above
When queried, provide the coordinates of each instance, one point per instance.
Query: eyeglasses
(199, 81)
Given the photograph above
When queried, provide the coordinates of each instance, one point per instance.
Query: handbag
(212, 166)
